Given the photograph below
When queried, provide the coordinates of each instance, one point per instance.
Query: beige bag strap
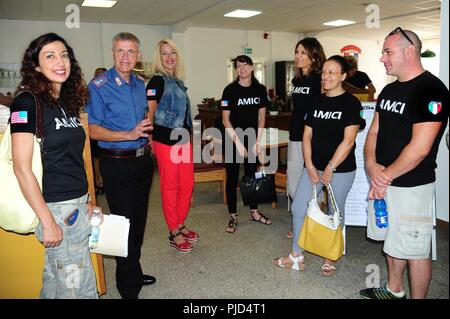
(332, 198)
(336, 213)
(314, 192)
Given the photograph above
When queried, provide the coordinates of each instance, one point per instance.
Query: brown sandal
(262, 219)
(231, 228)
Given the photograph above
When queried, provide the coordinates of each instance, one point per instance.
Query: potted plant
(211, 103)
(276, 105)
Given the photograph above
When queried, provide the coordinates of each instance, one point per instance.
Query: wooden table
(210, 117)
(272, 138)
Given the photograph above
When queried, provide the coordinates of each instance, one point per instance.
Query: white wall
(205, 51)
(432, 64)
(15, 36)
(208, 49)
(91, 42)
(368, 60)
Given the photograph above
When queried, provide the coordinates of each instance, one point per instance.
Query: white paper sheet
(113, 239)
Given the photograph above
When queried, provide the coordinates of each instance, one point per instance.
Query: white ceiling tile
(302, 16)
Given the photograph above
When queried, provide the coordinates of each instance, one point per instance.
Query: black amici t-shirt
(359, 80)
(328, 119)
(155, 91)
(304, 91)
(64, 175)
(400, 106)
(244, 104)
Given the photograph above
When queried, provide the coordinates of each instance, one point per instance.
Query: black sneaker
(379, 293)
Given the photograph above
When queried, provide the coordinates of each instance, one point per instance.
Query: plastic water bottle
(381, 214)
(96, 220)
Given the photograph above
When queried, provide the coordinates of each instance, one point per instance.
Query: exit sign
(248, 50)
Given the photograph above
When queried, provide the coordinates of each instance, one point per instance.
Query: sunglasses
(398, 29)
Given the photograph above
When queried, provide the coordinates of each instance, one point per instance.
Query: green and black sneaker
(381, 293)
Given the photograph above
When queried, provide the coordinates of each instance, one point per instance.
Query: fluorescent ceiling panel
(98, 3)
(242, 14)
(338, 23)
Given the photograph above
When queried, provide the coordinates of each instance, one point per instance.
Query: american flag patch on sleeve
(19, 117)
(151, 92)
(224, 103)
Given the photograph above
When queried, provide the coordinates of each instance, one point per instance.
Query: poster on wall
(356, 204)
(351, 50)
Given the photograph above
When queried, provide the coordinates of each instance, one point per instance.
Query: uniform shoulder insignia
(100, 81)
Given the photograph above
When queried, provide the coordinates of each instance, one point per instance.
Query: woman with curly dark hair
(52, 77)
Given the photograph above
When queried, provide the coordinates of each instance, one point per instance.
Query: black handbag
(258, 190)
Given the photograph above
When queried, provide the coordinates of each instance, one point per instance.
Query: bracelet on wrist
(333, 169)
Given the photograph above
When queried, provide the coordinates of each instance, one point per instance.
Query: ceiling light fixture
(98, 3)
(338, 23)
(242, 14)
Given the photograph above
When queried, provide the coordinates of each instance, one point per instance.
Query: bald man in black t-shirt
(400, 151)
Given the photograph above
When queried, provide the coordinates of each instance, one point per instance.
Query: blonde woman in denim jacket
(170, 113)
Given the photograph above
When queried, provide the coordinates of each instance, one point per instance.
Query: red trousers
(176, 181)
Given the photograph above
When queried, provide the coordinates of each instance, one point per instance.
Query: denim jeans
(68, 271)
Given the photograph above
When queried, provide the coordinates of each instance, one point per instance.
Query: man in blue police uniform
(116, 110)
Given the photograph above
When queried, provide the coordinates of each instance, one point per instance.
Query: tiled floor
(240, 265)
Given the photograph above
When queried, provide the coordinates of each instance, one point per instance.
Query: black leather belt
(115, 153)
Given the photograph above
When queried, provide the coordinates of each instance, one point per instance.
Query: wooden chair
(281, 183)
(362, 95)
(211, 172)
(97, 260)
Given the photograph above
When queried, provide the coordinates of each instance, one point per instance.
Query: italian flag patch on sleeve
(434, 107)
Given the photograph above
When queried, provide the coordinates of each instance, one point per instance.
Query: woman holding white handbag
(329, 153)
